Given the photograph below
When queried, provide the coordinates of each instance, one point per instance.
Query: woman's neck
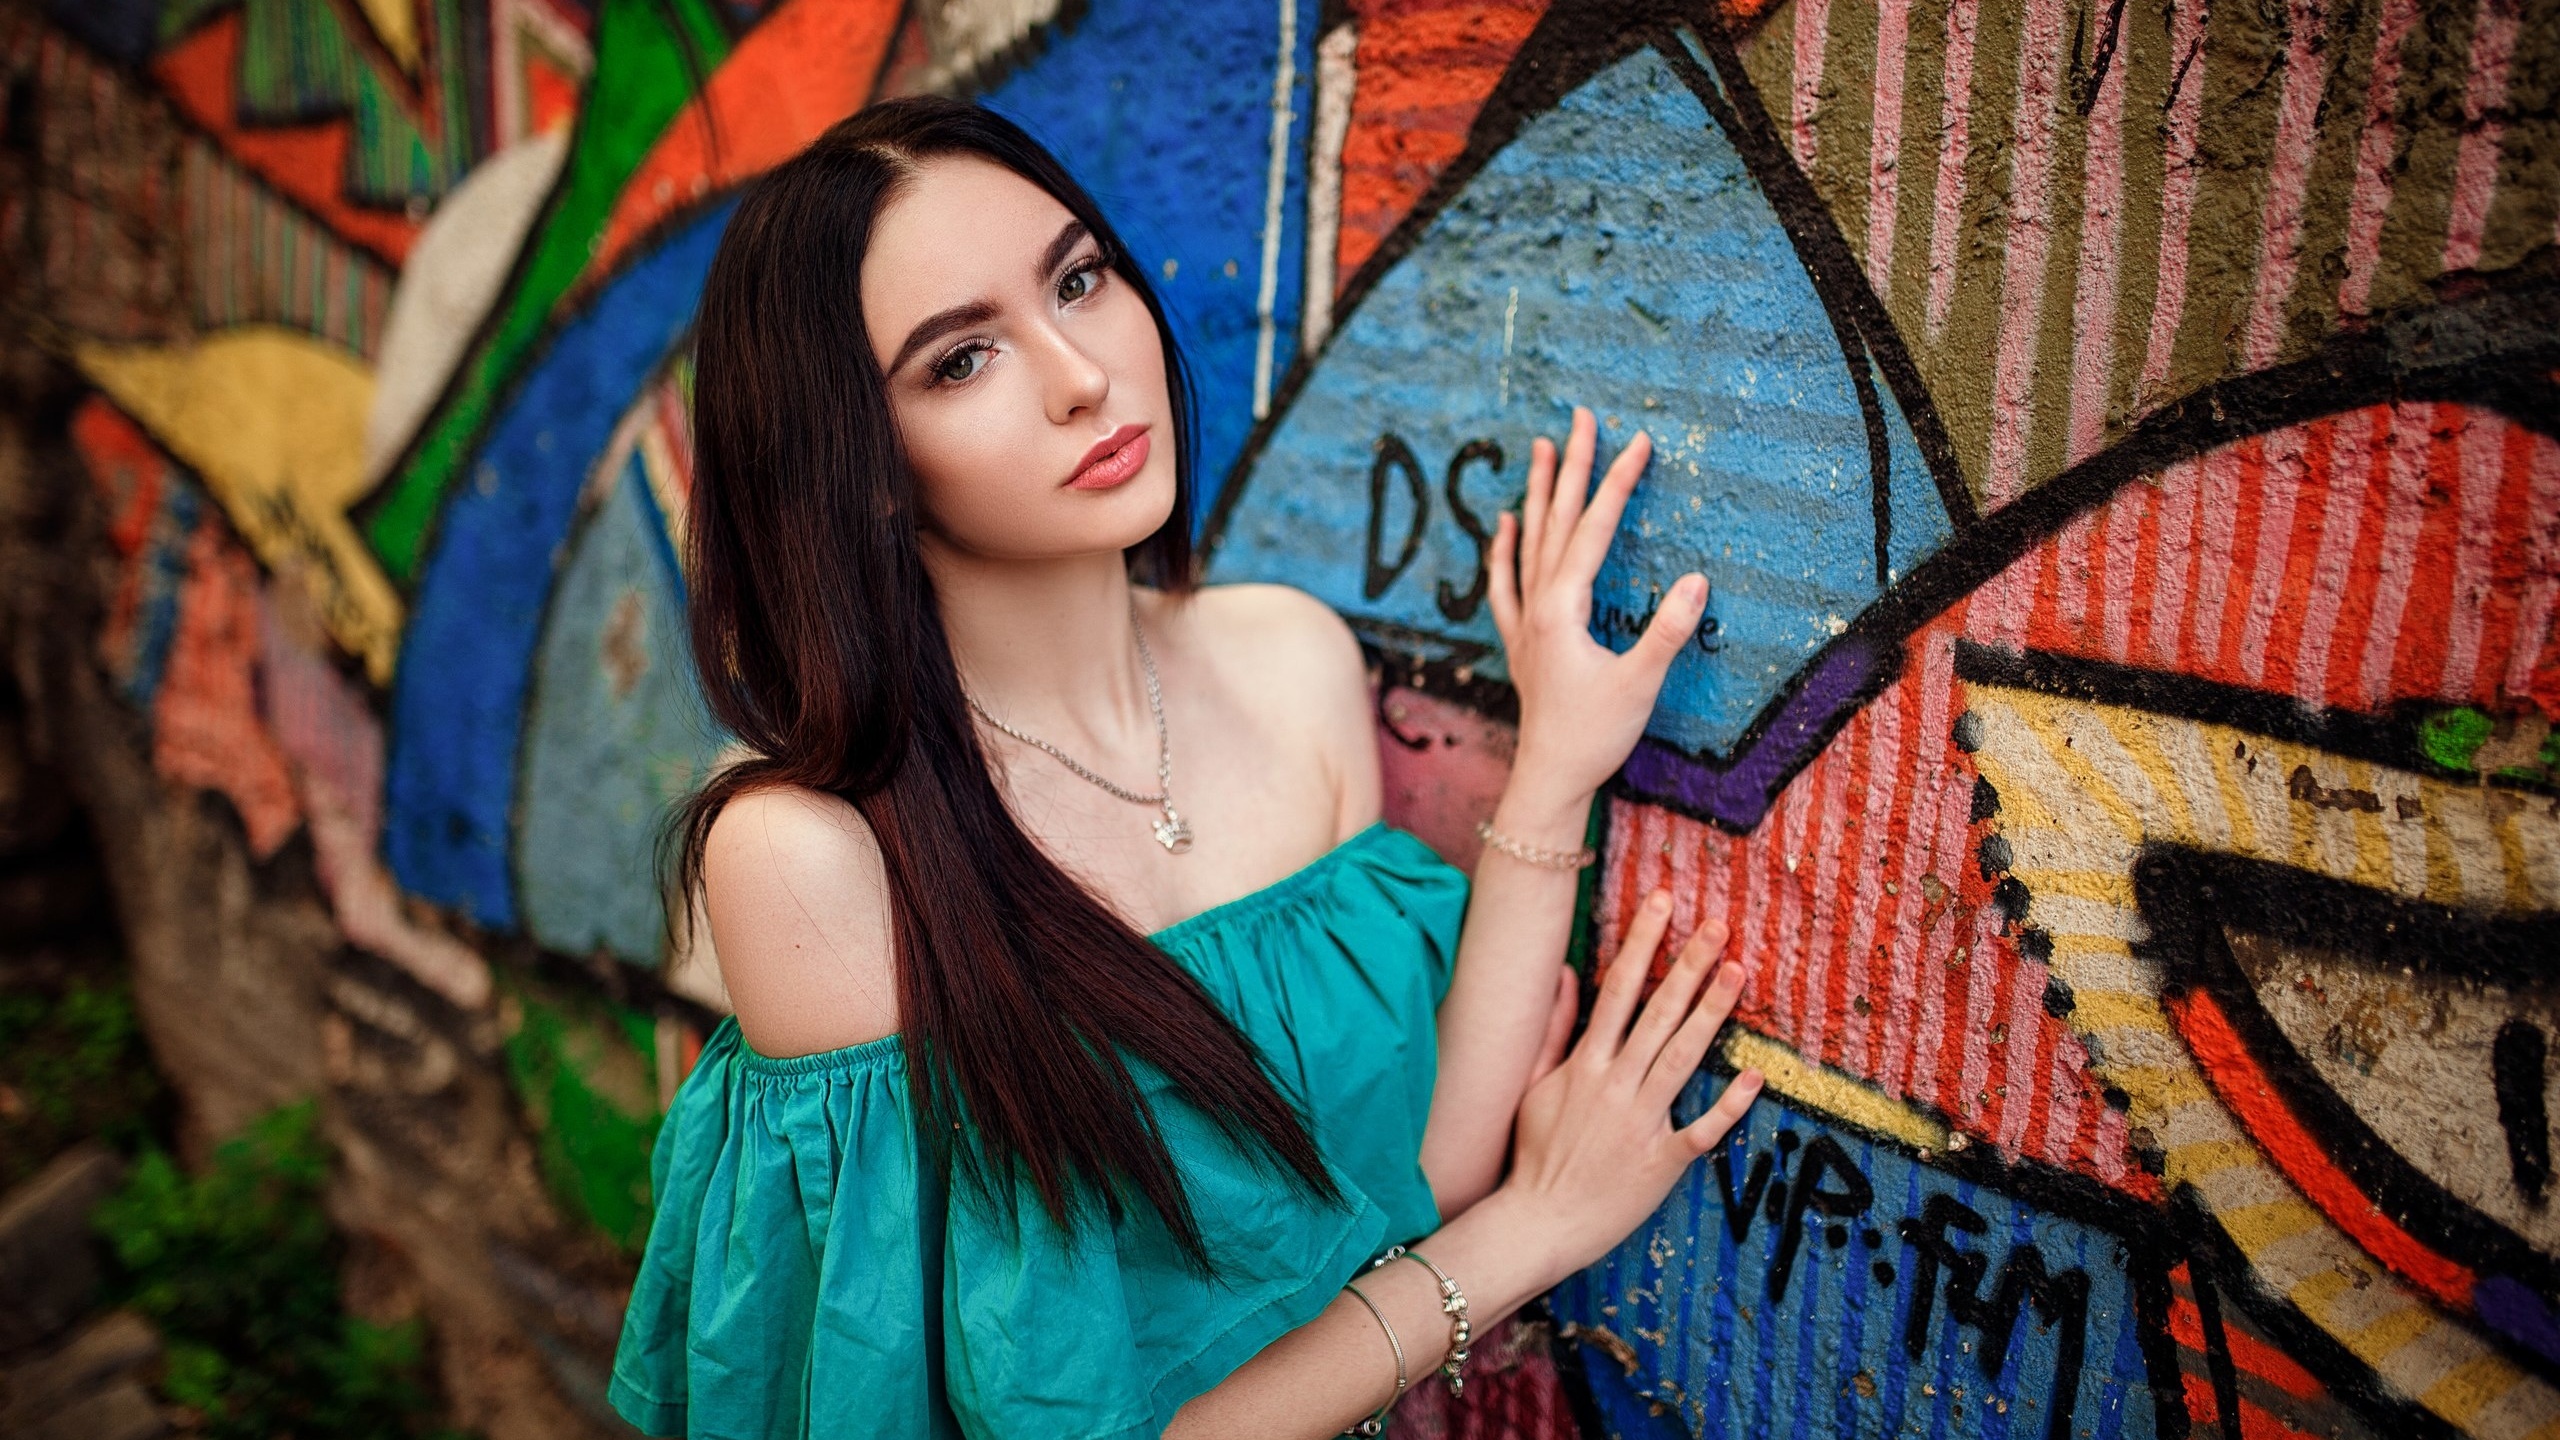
(1044, 644)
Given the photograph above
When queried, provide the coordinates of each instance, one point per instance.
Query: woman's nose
(1072, 380)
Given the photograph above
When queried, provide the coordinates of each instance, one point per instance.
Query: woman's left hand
(1582, 705)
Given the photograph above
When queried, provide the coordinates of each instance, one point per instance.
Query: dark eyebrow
(977, 312)
(942, 322)
(1068, 236)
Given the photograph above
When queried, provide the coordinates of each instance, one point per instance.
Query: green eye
(1078, 284)
(960, 364)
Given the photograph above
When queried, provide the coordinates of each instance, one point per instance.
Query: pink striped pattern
(2094, 298)
(1813, 27)
(2306, 80)
(2030, 242)
(2371, 199)
(1884, 143)
(2475, 166)
(1946, 216)
(2177, 197)
(2412, 544)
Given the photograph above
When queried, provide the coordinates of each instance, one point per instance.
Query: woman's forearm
(1519, 917)
(1336, 1369)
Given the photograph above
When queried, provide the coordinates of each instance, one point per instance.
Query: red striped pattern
(2406, 552)
(1866, 921)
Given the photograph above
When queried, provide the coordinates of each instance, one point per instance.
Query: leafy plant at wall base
(239, 1268)
(72, 1065)
(586, 1072)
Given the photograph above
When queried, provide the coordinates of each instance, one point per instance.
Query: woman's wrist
(1514, 1249)
(1542, 814)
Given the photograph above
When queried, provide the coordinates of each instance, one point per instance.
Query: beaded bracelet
(1529, 854)
(1453, 1303)
(1376, 1424)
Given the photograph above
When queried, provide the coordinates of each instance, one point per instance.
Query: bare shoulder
(1281, 626)
(1294, 661)
(797, 897)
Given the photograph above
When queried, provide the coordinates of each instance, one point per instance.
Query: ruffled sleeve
(804, 1275)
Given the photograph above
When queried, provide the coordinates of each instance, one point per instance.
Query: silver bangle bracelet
(1532, 855)
(1376, 1424)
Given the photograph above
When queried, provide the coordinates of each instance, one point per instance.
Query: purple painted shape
(2525, 1317)
(1738, 792)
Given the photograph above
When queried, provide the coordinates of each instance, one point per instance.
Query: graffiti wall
(2123, 437)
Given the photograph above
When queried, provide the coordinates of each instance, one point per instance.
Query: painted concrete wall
(2124, 440)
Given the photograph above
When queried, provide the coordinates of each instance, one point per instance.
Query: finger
(1573, 483)
(1705, 1132)
(1559, 1024)
(1666, 1008)
(1674, 621)
(1680, 1056)
(1533, 510)
(1502, 586)
(1598, 525)
(1625, 978)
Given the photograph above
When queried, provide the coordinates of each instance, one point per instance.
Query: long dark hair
(1020, 995)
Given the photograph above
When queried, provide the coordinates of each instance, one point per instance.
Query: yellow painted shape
(2498, 840)
(1832, 1092)
(2467, 1391)
(273, 420)
(395, 24)
(2255, 1227)
(2107, 1012)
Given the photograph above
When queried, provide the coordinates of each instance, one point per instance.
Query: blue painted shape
(1162, 109)
(161, 572)
(618, 732)
(1777, 1334)
(1617, 253)
(466, 660)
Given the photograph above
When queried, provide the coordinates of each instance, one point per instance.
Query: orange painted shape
(307, 163)
(2237, 1079)
(127, 469)
(551, 95)
(205, 729)
(807, 66)
(1425, 69)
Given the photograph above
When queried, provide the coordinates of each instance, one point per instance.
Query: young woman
(1092, 1031)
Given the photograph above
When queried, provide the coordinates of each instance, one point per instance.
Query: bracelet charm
(1528, 854)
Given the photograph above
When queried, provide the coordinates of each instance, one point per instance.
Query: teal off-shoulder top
(806, 1276)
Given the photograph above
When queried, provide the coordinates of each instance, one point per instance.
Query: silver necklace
(1172, 832)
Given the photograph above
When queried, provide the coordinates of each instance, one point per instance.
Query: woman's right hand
(1594, 1150)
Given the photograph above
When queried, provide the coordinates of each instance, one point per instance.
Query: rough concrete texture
(2124, 440)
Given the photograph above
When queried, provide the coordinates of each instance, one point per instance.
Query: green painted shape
(576, 1063)
(300, 61)
(2451, 738)
(651, 56)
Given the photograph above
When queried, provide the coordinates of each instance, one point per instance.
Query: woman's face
(1027, 378)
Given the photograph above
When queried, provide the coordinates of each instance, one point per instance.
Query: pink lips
(1114, 460)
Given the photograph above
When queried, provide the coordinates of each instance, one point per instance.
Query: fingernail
(1691, 589)
(1749, 1079)
(1659, 902)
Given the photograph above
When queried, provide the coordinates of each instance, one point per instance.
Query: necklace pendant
(1173, 832)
